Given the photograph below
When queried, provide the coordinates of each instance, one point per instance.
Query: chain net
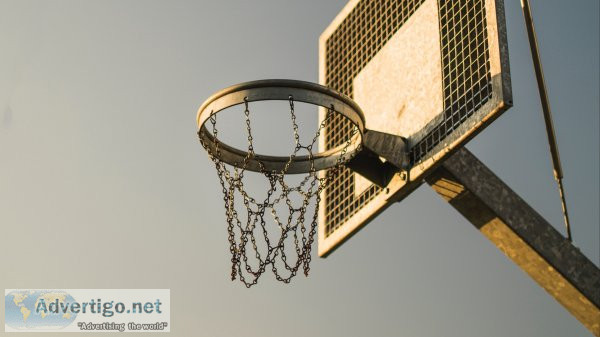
(278, 212)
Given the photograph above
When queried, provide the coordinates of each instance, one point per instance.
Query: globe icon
(21, 309)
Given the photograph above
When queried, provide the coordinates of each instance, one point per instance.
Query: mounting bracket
(375, 146)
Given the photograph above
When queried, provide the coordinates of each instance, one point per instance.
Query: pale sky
(103, 183)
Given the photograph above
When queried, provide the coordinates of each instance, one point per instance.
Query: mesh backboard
(432, 71)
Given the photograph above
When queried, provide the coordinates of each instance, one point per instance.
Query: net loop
(260, 231)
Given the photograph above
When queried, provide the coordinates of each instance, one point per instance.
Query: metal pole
(539, 74)
(522, 234)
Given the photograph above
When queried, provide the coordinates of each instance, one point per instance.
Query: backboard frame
(403, 183)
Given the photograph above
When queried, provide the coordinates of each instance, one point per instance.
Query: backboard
(432, 71)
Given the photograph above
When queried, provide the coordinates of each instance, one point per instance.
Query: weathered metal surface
(435, 72)
(522, 234)
(282, 89)
(391, 147)
(369, 165)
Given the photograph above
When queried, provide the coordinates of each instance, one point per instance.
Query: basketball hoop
(318, 169)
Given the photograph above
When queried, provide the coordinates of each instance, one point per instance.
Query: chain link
(244, 232)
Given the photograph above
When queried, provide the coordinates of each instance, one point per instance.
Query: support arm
(522, 234)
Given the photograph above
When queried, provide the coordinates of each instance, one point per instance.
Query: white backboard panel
(433, 71)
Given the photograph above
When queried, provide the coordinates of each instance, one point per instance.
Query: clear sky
(103, 183)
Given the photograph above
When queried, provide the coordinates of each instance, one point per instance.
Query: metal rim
(276, 89)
